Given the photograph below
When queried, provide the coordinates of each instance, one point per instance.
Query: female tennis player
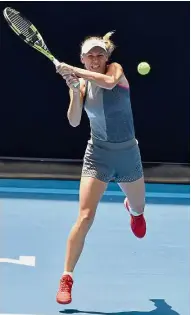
(112, 152)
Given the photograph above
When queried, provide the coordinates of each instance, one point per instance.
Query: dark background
(34, 99)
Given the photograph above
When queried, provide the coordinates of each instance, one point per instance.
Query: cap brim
(92, 44)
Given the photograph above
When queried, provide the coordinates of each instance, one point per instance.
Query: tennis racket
(28, 32)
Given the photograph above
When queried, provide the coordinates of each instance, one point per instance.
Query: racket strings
(22, 25)
(26, 31)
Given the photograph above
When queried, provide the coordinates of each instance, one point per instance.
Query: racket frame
(45, 51)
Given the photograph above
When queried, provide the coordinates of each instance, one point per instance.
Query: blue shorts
(108, 161)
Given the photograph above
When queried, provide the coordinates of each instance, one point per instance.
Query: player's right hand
(71, 80)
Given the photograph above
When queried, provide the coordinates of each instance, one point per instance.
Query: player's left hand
(63, 69)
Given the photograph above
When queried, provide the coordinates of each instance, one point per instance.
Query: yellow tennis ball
(143, 68)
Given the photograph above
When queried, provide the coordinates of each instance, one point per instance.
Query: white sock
(68, 273)
(134, 213)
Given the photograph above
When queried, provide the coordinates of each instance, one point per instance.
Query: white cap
(91, 43)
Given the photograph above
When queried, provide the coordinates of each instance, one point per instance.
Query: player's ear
(82, 59)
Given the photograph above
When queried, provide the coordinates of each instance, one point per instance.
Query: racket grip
(57, 63)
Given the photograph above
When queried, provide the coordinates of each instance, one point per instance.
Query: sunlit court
(94, 158)
(36, 217)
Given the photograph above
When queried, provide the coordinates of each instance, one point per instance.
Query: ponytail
(109, 44)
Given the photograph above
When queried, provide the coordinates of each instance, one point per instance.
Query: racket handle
(57, 63)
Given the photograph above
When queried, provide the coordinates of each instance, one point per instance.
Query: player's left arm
(107, 81)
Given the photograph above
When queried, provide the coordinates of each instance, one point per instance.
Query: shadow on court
(162, 308)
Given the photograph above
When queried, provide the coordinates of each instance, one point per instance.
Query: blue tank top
(109, 113)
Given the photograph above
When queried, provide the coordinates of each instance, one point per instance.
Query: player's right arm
(76, 100)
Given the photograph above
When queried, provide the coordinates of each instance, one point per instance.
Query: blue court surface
(117, 273)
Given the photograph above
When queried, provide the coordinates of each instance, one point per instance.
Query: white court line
(23, 260)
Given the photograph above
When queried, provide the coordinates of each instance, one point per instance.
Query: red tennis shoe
(138, 223)
(64, 294)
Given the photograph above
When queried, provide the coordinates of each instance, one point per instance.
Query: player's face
(95, 60)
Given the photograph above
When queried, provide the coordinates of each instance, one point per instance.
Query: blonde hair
(108, 42)
(110, 46)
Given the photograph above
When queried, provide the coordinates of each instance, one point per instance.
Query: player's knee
(86, 218)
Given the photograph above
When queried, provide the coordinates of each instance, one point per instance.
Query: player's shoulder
(115, 65)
